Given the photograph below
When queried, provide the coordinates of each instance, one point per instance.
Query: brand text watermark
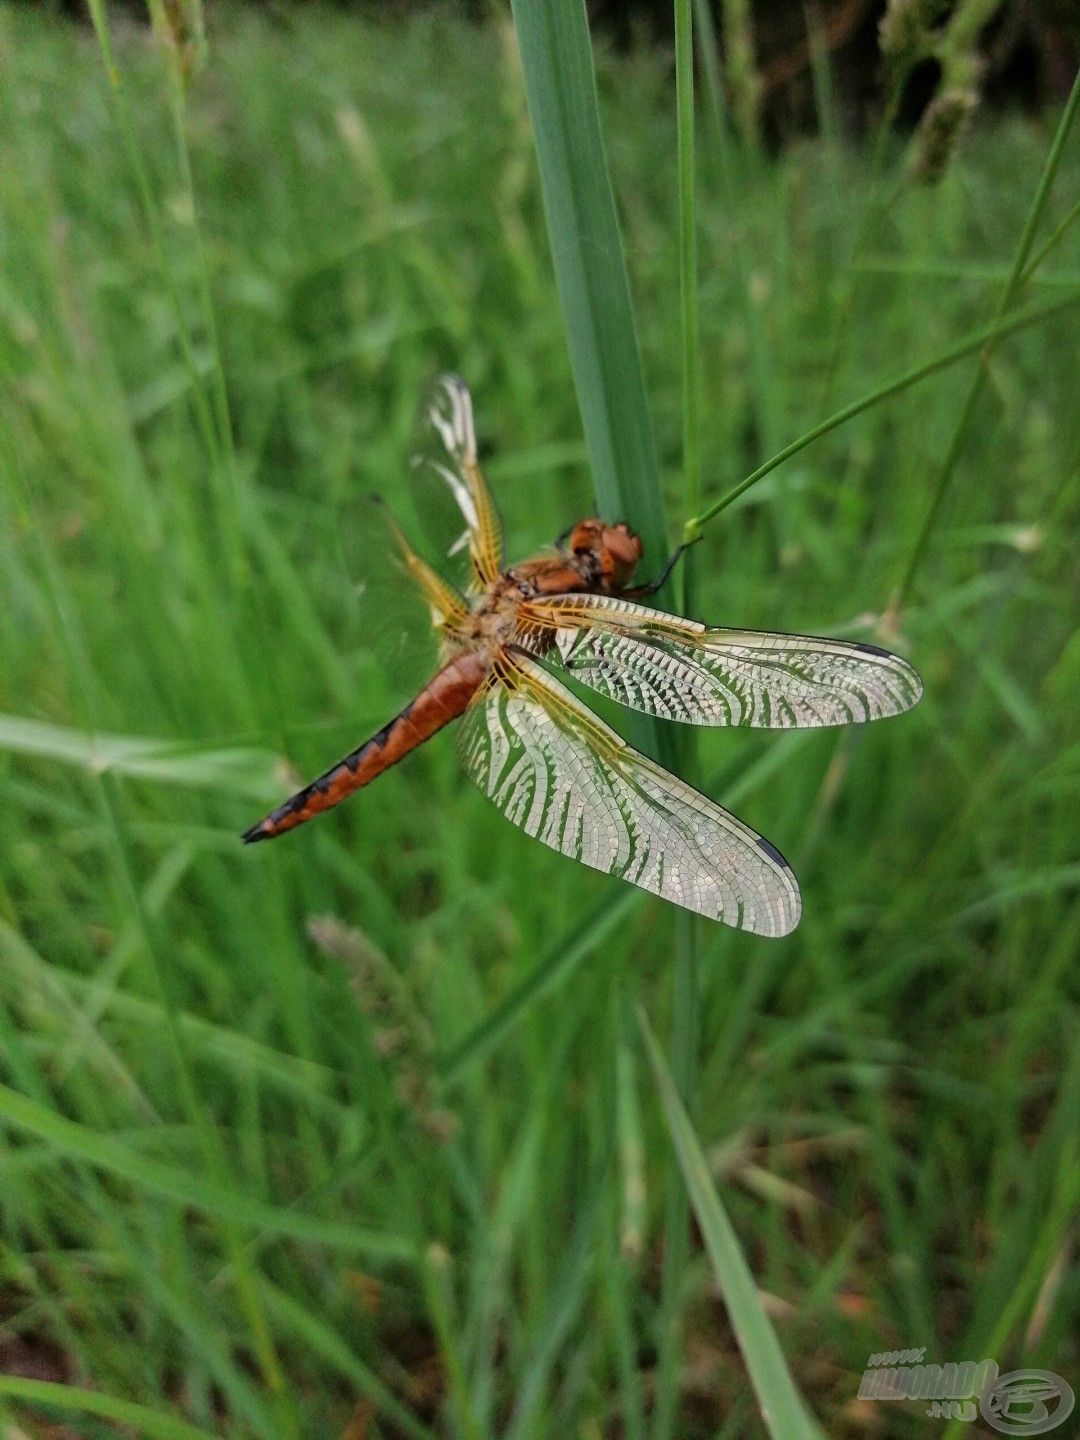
(1019, 1402)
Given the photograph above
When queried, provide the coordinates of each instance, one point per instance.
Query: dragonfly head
(615, 549)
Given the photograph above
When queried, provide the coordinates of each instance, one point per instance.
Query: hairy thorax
(497, 621)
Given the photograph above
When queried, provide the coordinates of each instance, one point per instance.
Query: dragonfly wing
(380, 588)
(452, 454)
(564, 777)
(680, 670)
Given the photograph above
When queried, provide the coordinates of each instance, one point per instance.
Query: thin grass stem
(1033, 316)
(203, 411)
(441, 1308)
(685, 1020)
(1008, 294)
(230, 491)
(1054, 239)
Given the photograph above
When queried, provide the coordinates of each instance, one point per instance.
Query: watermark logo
(1027, 1402)
(1021, 1402)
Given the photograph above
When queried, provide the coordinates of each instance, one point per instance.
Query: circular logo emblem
(1027, 1402)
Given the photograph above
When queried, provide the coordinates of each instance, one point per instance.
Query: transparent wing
(562, 776)
(377, 591)
(681, 670)
(447, 449)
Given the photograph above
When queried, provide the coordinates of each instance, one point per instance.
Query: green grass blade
(110, 1154)
(560, 88)
(684, 83)
(551, 971)
(1050, 244)
(783, 1410)
(66, 994)
(323, 1340)
(686, 1022)
(438, 1288)
(565, 1299)
(248, 773)
(72, 1399)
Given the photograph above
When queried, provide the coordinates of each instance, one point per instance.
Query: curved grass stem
(970, 346)
(1008, 295)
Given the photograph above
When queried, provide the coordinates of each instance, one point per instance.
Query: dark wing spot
(873, 649)
(772, 852)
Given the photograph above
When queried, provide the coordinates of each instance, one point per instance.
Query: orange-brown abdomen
(443, 699)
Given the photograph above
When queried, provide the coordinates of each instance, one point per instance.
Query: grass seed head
(906, 32)
(939, 132)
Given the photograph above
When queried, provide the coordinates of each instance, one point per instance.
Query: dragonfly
(545, 759)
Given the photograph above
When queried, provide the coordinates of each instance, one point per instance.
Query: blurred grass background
(356, 1130)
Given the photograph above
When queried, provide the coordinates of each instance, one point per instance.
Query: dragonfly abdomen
(442, 699)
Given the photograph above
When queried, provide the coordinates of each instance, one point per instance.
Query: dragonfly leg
(637, 592)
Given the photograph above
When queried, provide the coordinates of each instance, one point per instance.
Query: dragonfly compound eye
(584, 536)
(622, 545)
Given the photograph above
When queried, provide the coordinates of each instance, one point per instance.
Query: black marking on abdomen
(379, 738)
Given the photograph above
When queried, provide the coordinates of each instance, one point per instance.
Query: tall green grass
(265, 1177)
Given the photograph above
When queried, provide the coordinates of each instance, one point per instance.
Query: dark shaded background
(1029, 50)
